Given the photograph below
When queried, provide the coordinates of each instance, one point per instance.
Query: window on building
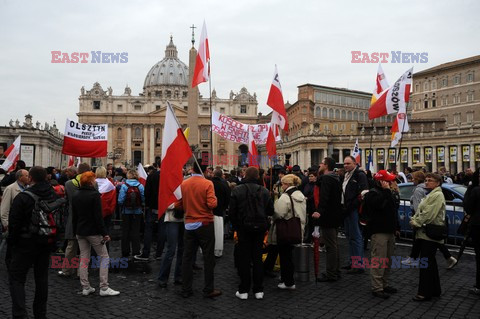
(342, 127)
(205, 109)
(158, 93)
(222, 110)
(338, 99)
(330, 114)
(119, 107)
(425, 86)
(323, 97)
(325, 127)
(330, 98)
(204, 134)
(456, 118)
(343, 100)
(243, 109)
(157, 107)
(470, 77)
(157, 134)
(417, 87)
(184, 94)
(456, 99)
(425, 104)
(137, 132)
(470, 117)
(137, 107)
(355, 116)
(96, 105)
(434, 84)
(169, 94)
(349, 101)
(444, 82)
(456, 80)
(470, 97)
(318, 111)
(434, 103)
(335, 127)
(349, 115)
(344, 115)
(337, 114)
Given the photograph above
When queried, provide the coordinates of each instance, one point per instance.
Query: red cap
(383, 175)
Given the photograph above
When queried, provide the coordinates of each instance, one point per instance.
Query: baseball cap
(383, 175)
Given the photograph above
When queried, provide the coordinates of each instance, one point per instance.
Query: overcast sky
(310, 41)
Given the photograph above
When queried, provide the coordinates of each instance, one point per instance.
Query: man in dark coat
(222, 192)
(29, 249)
(328, 216)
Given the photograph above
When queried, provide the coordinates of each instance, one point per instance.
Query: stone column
(409, 157)
(472, 156)
(152, 144)
(459, 158)
(434, 159)
(128, 148)
(110, 139)
(308, 158)
(422, 155)
(447, 157)
(375, 162)
(146, 142)
(340, 155)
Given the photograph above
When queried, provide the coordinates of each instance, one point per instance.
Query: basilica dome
(169, 71)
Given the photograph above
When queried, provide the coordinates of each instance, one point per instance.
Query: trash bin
(301, 260)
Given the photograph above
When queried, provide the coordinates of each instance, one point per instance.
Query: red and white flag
(271, 144)
(393, 99)
(142, 175)
(12, 154)
(356, 152)
(85, 140)
(399, 126)
(381, 84)
(175, 153)
(72, 160)
(252, 150)
(201, 73)
(108, 196)
(275, 101)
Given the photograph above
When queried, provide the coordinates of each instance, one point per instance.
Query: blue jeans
(174, 232)
(354, 236)
(151, 218)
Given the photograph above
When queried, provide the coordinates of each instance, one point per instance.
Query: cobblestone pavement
(349, 297)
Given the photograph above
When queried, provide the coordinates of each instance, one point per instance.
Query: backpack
(45, 215)
(133, 198)
(254, 218)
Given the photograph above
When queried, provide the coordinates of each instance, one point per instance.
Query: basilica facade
(135, 122)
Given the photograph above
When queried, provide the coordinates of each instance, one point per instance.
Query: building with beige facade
(135, 122)
(40, 144)
(443, 115)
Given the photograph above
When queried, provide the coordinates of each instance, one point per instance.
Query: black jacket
(239, 203)
(87, 213)
(308, 193)
(222, 192)
(151, 190)
(357, 183)
(329, 205)
(471, 204)
(381, 212)
(19, 218)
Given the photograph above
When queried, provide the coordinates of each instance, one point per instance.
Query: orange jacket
(198, 200)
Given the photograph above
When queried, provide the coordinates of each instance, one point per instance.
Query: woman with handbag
(289, 223)
(429, 222)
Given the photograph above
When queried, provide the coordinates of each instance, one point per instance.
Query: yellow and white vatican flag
(381, 84)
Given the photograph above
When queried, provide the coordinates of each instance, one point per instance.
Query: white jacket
(283, 210)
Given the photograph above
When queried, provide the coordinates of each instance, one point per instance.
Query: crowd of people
(265, 211)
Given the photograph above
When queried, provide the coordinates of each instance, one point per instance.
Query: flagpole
(401, 136)
(178, 123)
(211, 124)
(370, 147)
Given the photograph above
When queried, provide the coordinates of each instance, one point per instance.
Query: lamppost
(116, 154)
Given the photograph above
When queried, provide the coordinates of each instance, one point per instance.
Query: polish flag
(393, 99)
(85, 140)
(108, 196)
(252, 150)
(175, 153)
(142, 175)
(275, 101)
(71, 160)
(271, 144)
(201, 73)
(12, 155)
(381, 84)
(356, 151)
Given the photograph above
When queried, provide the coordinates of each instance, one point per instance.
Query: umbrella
(316, 252)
